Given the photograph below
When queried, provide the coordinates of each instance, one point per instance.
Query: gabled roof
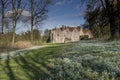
(78, 28)
(63, 28)
(69, 28)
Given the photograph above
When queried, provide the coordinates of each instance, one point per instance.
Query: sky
(60, 12)
(64, 12)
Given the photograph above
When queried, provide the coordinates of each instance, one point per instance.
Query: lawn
(84, 60)
(33, 65)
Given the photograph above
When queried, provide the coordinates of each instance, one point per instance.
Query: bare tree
(17, 8)
(3, 6)
(38, 10)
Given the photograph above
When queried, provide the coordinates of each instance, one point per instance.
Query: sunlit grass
(33, 65)
(84, 60)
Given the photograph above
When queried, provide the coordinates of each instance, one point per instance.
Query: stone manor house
(69, 34)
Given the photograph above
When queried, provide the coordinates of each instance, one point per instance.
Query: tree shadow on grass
(33, 65)
(36, 66)
(33, 71)
(8, 69)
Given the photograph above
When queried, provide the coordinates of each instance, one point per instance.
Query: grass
(34, 65)
(84, 60)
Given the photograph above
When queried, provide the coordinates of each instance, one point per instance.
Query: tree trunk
(113, 27)
(118, 25)
(118, 9)
(32, 19)
(112, 18)
(2, 22)
(3, 16)
(13, 35)
(31, 34)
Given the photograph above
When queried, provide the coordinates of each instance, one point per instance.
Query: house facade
(69, 34)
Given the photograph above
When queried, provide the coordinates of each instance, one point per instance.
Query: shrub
(84, 37)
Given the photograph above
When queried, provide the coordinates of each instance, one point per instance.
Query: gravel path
(22, 51)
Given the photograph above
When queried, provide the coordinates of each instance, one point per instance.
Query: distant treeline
(12, 12)
(5, 39)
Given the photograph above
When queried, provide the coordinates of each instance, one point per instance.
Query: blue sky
(60, 12)
(64, 12)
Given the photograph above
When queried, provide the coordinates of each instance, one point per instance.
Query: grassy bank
(33, 65)
(90, 60)
(84, 60)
